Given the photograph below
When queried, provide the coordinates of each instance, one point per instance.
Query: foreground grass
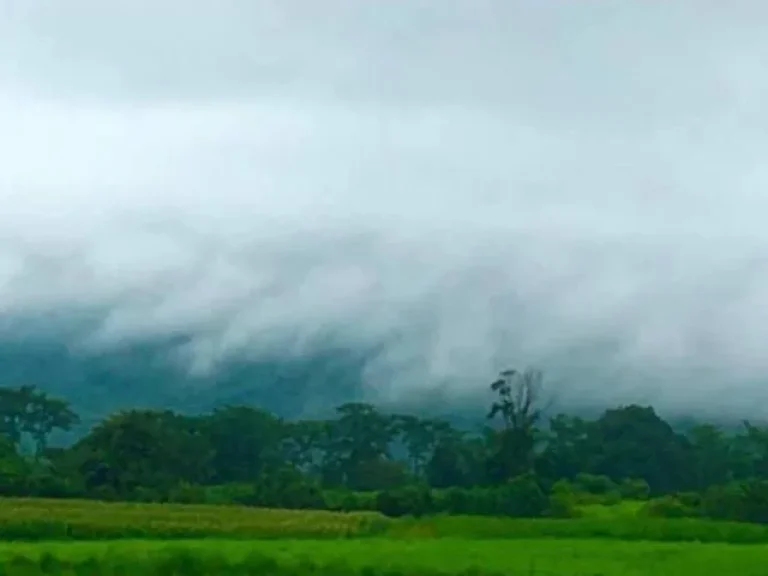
(380, 556)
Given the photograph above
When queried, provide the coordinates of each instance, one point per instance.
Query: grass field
(386, 556)
(84, 537)
(38, 519)
(43, 519)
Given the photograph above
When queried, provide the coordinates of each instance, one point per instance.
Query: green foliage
(742, 501)
(522, 497)
(28, 412)
(364, 459)
(668, 507)
(634, 489)
(392, 475)
(562, 505)
(349, 501)
(563, 501)
(285, 488)
(598, 485)
(406, 501)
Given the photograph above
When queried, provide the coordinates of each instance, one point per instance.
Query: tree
(303, 444)
(27, 410)
(517, 405)
(456, 460)
(44, 416)
(568, 450)
(518, 396)
(634, 442)
(143, 449)
(419, 437)
(246, 441)
(756, 440)
(358, 449)
(712, 454)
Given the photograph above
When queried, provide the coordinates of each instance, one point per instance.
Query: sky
(578, 186)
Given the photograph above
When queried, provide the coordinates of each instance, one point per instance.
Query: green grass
(39, 519)
(623, 509)
(48, 519)
(393, 557)
(194, 540)
(618, 528)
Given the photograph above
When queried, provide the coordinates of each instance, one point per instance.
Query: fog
(467, 185)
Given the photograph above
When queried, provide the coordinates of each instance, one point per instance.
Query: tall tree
(419, 436)
(246, 441)
(359, 447)
(28, 410)
(518, 407)
(634, 442)
(145, 449)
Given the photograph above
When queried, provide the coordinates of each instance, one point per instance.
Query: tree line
(519, 462)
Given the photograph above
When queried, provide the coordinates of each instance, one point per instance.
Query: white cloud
(492, 182)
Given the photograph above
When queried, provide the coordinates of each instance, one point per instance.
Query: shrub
(186, 493)
(594, 484)
(634, 489)
(756, 501)
(406, 501)
(611, 498)
(285, 488)
(690, 499)
(349, 501)
(232, 493)
(562, 505)
(741, 501)
(667, 507)
(453, 501)
(522, 497)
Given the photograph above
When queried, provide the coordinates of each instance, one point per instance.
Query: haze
(579, 186)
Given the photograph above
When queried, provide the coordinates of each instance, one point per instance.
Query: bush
(522, 497)
(186, 493)
(611, 498)
(285, 488)
(232, 493)
(756, 501)
(349, 501)
(453, 501)
(563, 505)
(634, 489)
(406, 501)
(594, 484)
(690, 499)
(740, 501)
(667, 507)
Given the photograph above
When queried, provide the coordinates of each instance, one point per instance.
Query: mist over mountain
(298, 204)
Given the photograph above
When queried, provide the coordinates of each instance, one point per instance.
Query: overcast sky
(482, 183)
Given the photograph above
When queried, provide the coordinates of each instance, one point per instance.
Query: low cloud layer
(578, 185)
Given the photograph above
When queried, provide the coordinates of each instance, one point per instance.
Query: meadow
(75, 537)
(384, 556)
